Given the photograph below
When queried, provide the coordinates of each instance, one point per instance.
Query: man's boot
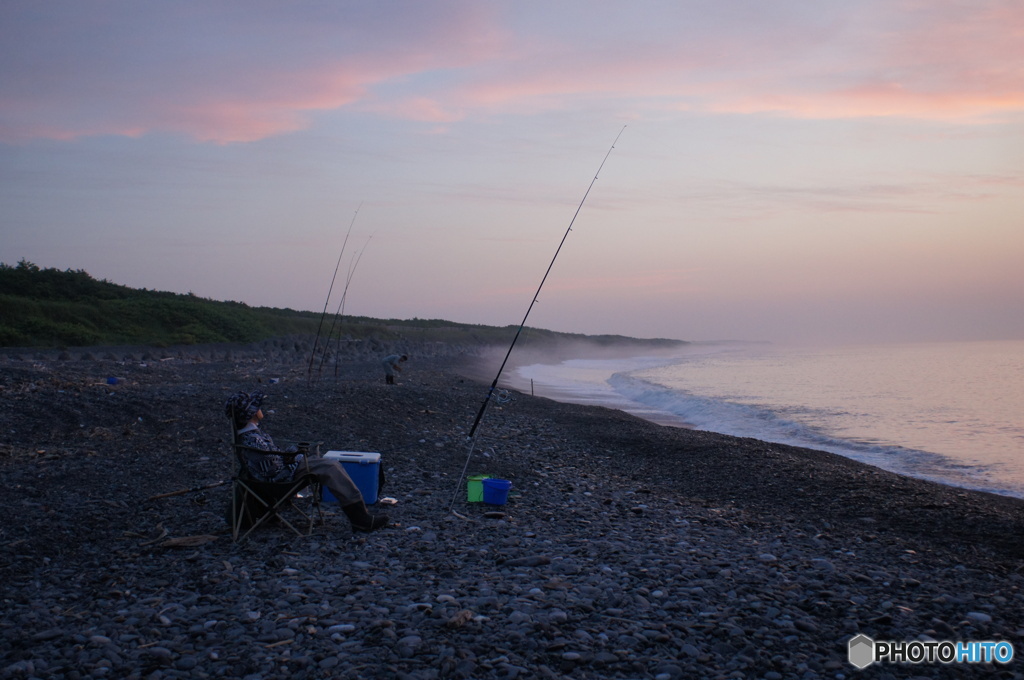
(361, 518)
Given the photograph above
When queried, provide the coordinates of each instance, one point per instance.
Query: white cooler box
(364, 469)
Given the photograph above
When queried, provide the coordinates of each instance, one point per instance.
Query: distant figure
(246, 410)
(391, 364)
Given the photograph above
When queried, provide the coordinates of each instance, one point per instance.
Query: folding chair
(254, 502)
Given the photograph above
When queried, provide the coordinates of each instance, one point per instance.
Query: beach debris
(460, 618)
(188, 541)
(191, 490)
(163, 534)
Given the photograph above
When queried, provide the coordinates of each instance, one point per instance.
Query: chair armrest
(288, 456)
(313, 446)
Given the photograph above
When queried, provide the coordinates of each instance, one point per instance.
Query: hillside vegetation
(55, 308)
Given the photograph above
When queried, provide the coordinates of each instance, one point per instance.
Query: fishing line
(491, 391)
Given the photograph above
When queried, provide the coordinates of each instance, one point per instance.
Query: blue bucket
(496, 491)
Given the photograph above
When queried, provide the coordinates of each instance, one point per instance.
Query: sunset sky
(789, 170)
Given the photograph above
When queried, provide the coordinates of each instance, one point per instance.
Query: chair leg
(266, 514)
(267, 510)
(317, 498)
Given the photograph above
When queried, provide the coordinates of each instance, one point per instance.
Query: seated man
(245, 408)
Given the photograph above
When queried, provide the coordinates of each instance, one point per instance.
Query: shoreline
(569, 396)
(582, 386)
(675, 551)
(481, 370)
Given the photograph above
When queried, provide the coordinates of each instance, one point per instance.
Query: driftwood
(188, 541)
(185, 491)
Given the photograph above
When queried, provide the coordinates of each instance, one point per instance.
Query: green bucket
(475, 488)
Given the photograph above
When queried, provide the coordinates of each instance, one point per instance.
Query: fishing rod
(330, 333)
(483, 406)
(344, 298)
(316, 342)
(339, 314)
(490, 392)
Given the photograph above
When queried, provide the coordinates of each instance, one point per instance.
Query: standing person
(391, 364)
(246, 410)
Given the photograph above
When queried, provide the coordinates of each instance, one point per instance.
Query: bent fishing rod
(501, 369)
(316, 342)
(490, 392)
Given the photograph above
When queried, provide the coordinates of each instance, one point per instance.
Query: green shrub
(51, 308)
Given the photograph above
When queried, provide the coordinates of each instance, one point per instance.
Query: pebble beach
(626, 549)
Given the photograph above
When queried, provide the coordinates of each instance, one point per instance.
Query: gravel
(626, 549)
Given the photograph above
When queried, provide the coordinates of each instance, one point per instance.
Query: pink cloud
(422, 109)
(948, 61)
(201, 70)
(878, 100)
(216, 75)
(927, 60)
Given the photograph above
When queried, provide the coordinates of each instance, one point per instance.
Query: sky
(784, 171)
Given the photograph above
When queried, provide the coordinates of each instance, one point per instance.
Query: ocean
(947, 412)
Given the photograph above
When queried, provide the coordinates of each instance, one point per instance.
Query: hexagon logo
(861, 650)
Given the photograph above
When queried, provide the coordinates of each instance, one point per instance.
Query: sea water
(948, 412)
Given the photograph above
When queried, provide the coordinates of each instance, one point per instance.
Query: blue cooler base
(364, 469)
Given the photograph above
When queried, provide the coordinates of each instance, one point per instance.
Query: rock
(519, 617)
(20, 669)
(186, 663)
(529, 561)
(460, 618)
(557, 616)
(721, 575)
(805, 625)
(410, 643)
(160, 653)
(341, 628)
